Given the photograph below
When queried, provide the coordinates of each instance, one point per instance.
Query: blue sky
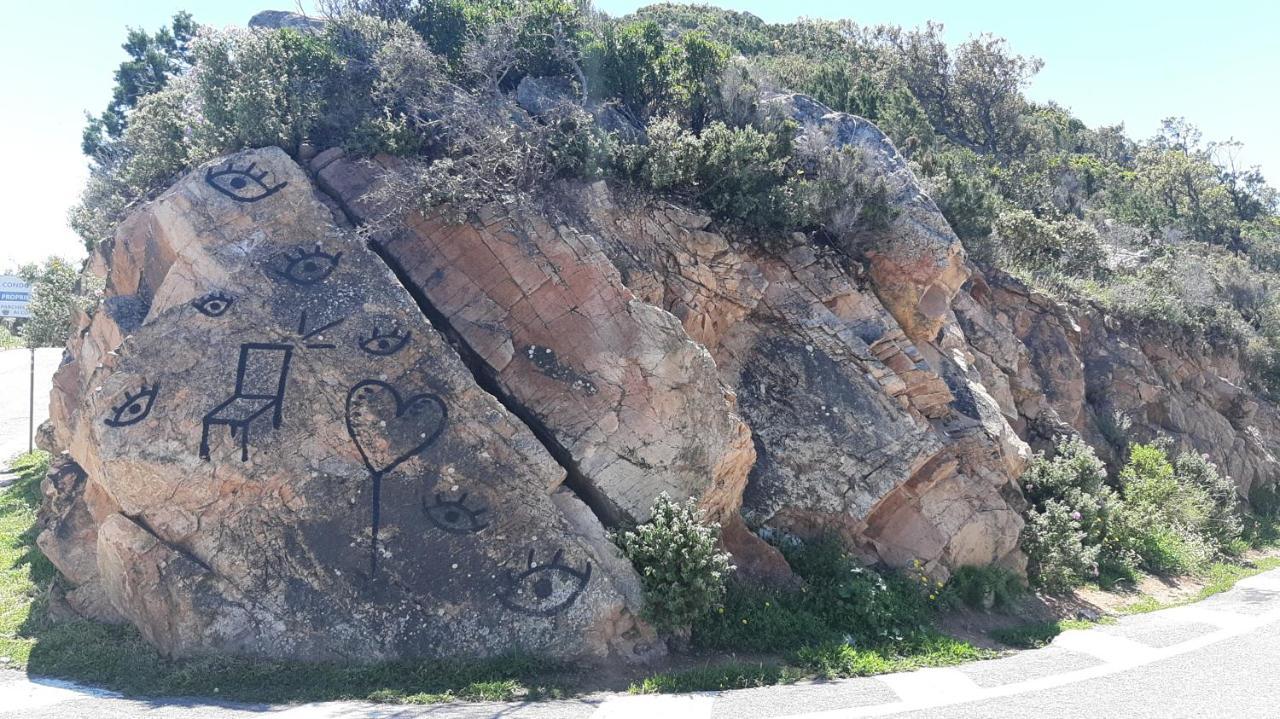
(1126, 61)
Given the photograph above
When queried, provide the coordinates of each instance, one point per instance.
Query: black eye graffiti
(543, 590)
(214, 304)
(305, 267)
(135, 407)
(384, 343)
(241, 185)
(454, 516)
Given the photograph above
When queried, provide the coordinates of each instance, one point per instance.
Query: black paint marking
(387, 431)
(454, 516)
(304, 267)
(135, 407)
(383, 344)
(306, 335)
(214, 304)
(544, 590)
(241, 185)
(260, 381)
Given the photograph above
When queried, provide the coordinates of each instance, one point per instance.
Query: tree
(55, 297)
(1175, 184)
(154, 59)
(974, 95)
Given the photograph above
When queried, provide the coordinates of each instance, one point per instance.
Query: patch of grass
(1039, 634)
(1144, 605)
(1219, 576)
(823, 661)
(25, 574)
(116, 657)
(836, 661)
(737, 675)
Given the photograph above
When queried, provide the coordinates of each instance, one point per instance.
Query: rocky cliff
(279, 437)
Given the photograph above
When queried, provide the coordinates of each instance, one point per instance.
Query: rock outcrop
(278, 438)
(856, 429)
(1056, 369)
(270, 451)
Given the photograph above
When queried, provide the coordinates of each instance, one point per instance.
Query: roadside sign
(15, 296)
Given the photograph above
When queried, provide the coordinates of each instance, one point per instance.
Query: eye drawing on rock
(454, 516)
(544, 589)
(214, 304)
(382, 344)
(135, 407)
(304, 267)
(388, 431)
(241, 185)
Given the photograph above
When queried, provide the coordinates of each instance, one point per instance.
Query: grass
(1219, 577)
(1039, 634)
(825, 661)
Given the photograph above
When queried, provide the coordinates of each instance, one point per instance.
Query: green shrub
(739, 174)
(1066, 246)
(1059, 556)
(1164, 519)
(988, 587)
(257, 89)
(839, 601)
(1223, 526)
(1066, 522)
(682, 571)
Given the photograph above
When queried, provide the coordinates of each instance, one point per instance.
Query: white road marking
(1194, 614)
(340, 710)
(1125, 662)
(648, 706)
(37, 693)
(1107, 647)
(952, 684)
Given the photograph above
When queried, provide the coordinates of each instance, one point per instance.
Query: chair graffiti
(260, 381)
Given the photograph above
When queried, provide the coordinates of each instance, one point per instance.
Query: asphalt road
(15, 373)
(1218, 658)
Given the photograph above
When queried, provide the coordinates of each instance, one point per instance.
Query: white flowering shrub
(681, 569)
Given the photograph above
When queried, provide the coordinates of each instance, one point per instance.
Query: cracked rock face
(634, 404)
(270, 451)
(1057, 368)
(859, 431)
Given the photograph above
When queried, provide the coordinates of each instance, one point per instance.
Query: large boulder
(632, 403)
(270, 451)
(860, 431)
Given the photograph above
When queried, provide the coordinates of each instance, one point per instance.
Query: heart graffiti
(387, 431)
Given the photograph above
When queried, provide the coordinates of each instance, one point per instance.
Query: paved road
(15, 371)
(1219, 658)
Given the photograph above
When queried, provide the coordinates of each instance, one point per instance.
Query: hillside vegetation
(1170, 232)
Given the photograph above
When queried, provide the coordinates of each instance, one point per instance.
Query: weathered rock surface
(270, 451)
(856, 433)
(916, 264)
(856, 429)
(1056, 368)
(633, 405)
(636, 405)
